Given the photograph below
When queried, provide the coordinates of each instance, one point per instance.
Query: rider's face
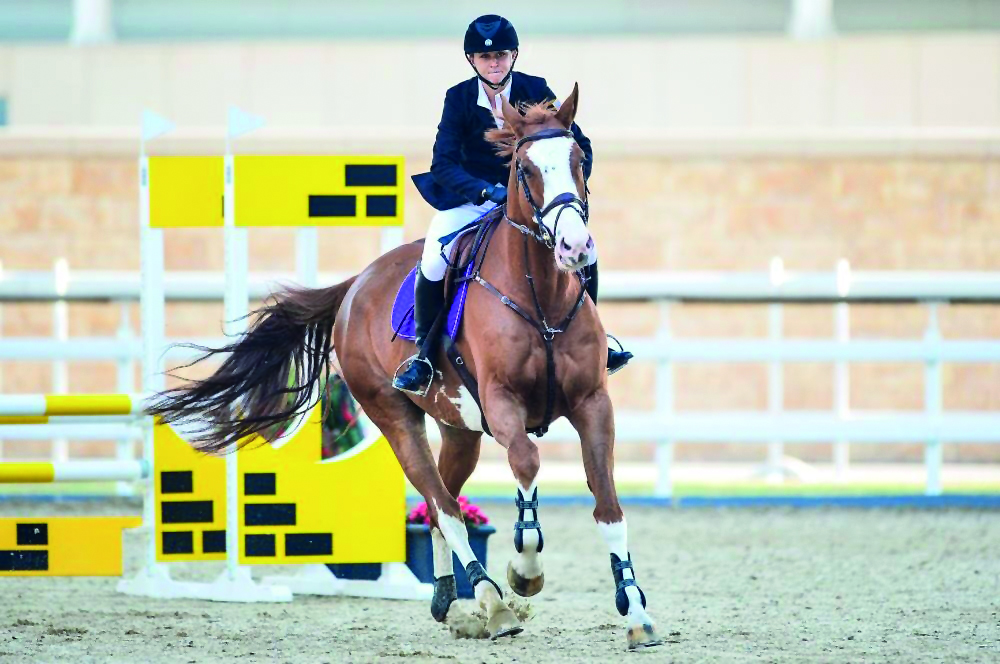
(493, 66)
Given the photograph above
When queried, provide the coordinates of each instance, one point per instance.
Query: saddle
(470, 249)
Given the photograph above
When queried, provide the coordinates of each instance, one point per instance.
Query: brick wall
(664, 213)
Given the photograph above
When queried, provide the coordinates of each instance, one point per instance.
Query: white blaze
(551, 156)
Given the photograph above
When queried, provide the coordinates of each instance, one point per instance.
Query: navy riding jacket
(464, 162)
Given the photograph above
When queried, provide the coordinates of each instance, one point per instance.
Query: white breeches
(432, 264)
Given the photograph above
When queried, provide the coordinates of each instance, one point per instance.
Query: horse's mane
(534, 114)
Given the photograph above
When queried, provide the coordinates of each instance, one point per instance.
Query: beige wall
(712, 154)
(916, 80)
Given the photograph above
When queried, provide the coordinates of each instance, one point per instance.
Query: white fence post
(60, 330)
(933, 453)
(774, 470)
(664, 487)
(126, 385)
(390, 238)
(842, 370)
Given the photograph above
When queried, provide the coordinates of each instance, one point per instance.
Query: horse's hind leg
(594, 421)
(402, 424)
(506, 419)
(458, 458)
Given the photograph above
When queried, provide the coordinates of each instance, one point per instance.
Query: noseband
(562, 202)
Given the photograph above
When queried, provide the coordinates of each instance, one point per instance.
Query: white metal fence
(775, 426)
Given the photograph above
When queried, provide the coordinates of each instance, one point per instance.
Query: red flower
(471, 513)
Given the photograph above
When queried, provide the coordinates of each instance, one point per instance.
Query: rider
(467, 177)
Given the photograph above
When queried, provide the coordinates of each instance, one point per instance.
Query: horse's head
(549, 181)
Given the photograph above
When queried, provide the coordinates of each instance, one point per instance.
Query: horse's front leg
(506, 418)
(593, 419)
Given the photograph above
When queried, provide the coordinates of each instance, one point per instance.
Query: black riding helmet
(490, 33)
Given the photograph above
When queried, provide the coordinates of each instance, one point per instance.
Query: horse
(528, 373)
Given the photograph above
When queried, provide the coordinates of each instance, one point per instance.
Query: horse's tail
(269, 376)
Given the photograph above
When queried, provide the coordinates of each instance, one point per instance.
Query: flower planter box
(420, 554)
(420, 558)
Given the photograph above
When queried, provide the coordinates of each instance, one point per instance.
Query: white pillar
(153, 312)
(811, 19)
(235, 306)
(92, 22)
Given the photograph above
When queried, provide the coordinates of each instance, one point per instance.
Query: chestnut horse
(528, 372)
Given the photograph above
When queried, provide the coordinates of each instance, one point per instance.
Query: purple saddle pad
(402, 307)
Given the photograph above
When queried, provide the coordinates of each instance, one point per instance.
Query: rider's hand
(496, 193)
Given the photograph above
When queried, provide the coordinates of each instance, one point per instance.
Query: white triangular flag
(154, 125)
(241, 122)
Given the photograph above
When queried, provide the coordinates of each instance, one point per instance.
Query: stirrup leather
(422, 390)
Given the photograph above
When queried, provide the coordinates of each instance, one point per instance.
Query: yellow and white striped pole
(40, 408)
(72, 471)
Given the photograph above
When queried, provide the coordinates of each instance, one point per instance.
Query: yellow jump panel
(63, 546)
(190, 502)
(185, 192)
(297, 509)
(319, 190)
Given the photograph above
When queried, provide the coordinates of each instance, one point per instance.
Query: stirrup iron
(421, 391)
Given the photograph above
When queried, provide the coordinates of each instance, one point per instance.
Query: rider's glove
(496, 193)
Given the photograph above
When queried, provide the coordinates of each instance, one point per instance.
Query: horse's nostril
(590, 243)
(564, 245)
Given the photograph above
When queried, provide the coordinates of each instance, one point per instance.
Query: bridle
(562, 202)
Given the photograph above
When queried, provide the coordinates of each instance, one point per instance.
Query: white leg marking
(442, 555)
(616, 537)
(458, 539)
(528, 563)
(467, 409)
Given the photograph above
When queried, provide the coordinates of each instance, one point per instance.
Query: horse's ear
(511, 116)
(567, 111)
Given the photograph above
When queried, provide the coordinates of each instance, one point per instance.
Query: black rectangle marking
(380, 206)
(24, 561)
(259, 545)
(177, 543)
(333, 206)
(308, 544)
(370, 175)
(186, 511)
(269, 514)
(259, 484)
(32, 534)
(213, 541)
(176, 481)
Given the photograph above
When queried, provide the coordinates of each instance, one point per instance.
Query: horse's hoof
(503, 623)
(642, 636)
(522, 586)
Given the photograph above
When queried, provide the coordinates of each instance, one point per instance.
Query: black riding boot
(427, 301)
(617, 359)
